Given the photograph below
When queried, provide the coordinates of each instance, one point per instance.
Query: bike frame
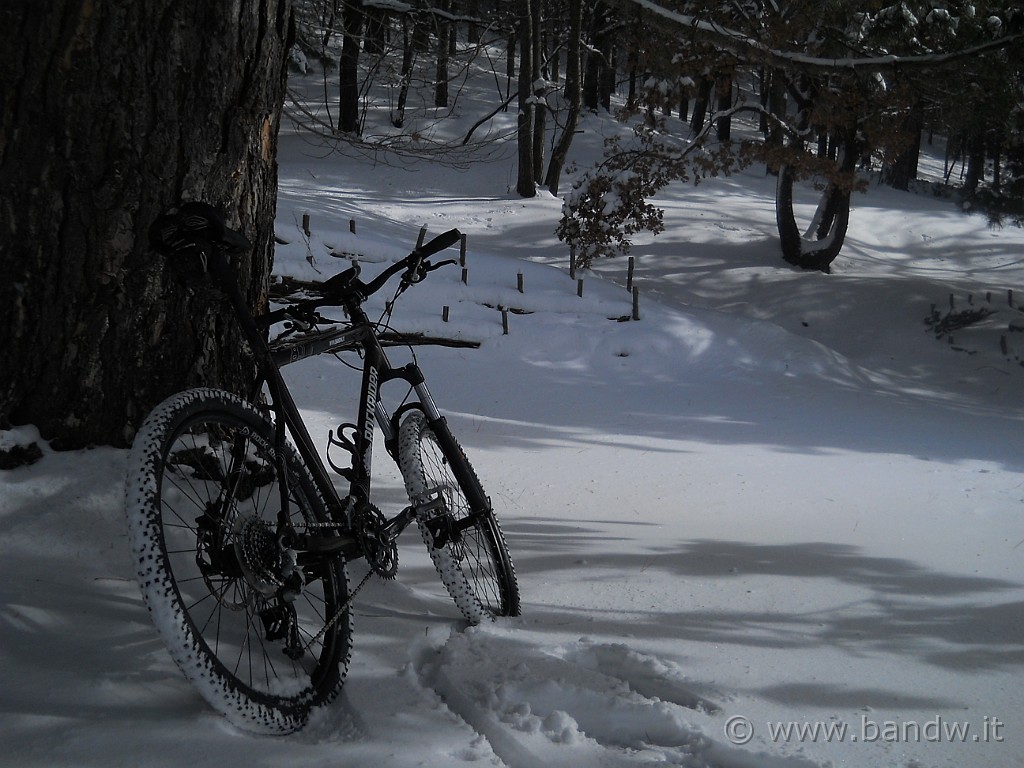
(372, 415)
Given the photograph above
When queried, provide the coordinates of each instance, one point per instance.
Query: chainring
(379, 548)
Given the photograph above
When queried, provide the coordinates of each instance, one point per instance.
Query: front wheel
(262, 631)
(456, 521)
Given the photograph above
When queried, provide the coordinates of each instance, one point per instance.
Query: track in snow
(581, 704)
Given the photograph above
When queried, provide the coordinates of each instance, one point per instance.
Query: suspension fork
(412, 374)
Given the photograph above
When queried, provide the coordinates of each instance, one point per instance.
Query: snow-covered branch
(747, 47)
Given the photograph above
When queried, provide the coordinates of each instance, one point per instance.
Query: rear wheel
(462, 536)
(263, 634)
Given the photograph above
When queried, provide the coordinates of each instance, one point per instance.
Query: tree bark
(723, 89)
(526, 184)
(904, 169)
(408, 58)
(348, 110)
(110, 113)
(599, 76)
(700, 106)
(539, 91)
(377, 31)
(975, 154)
(445, 36)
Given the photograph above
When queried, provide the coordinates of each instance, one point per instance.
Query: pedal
(442, 531)
(431, 500)
(432, 510)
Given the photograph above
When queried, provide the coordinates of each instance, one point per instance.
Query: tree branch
(747, 47)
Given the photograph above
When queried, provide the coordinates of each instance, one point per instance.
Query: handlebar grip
(439, 243)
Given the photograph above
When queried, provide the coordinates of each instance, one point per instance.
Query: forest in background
(834, 88)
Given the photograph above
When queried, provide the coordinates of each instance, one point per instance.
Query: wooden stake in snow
(519, 282)
(579, 287)
(462, 252)
(444, 313)
(504, 321)
(636, 303)
(352, 226)
(465, 276)
(305, 224)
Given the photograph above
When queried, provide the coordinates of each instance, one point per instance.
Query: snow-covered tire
(202, 498)
(462, 536)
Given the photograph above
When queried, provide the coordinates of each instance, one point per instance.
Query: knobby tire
(463, 538)
(202, 500)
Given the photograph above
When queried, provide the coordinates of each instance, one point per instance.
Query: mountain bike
(240, 537)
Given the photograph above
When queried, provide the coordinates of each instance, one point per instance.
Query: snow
(776, 522)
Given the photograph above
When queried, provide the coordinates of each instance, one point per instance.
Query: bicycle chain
(375, 568)
(344, 607)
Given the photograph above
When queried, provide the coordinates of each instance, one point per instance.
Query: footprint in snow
(585, 704)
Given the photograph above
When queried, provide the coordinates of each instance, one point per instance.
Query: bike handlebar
(413, 264)
(346, 285)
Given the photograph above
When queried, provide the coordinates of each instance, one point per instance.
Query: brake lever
(431, 267)
(417, 273)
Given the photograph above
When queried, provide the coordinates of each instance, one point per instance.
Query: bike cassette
(379, 547)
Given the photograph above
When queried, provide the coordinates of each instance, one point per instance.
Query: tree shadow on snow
(862, 604)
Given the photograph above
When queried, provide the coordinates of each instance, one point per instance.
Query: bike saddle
(189, 227)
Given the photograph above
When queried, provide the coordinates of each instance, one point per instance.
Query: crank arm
(400, 522)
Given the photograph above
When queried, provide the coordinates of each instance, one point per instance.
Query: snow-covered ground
(776, 522)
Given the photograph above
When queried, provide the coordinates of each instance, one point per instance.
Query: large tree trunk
(110, 113)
